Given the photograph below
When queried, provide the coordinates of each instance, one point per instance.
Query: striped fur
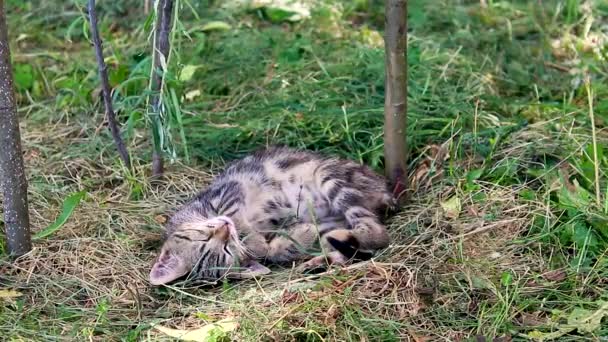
(280, 205)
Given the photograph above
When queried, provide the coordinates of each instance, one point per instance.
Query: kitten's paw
(343, 241)
(320, 263)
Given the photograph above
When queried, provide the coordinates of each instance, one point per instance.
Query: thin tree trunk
(395, 102)
(162, 46)
(105, 86)
(12, 172)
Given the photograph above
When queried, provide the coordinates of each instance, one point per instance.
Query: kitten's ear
(167, 268)
(249, 270)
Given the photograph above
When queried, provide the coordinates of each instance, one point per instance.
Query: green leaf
(480, 283)
(187, 72)
(590, 154)
(24, 76)
(527, 194)
(118, 75)
(506, 279)
(578, 198)
(180, 124)
(283, 10)
(69, 205)
(583, 320)
(216, 26)
(583, 235)
(587, 320)
(474, 175)
(149, 21)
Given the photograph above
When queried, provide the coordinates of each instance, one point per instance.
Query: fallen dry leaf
(555, 275)
(452, 207)
(531, 319)
(160, 219)
(201, 334)
(418, 338)
(221, 125)
(331, 315)
(10, 294)
(190, 95)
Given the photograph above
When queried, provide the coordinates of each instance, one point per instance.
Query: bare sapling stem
(105, 87)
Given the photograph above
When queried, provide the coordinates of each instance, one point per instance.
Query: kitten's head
(203, 249)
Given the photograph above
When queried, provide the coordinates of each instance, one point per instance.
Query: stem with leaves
(105, 87)
(12, 172)
(395, 102)
(162, 29)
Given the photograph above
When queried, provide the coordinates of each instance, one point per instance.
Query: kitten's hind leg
(364, 224)
(365, 233)
(358, 207)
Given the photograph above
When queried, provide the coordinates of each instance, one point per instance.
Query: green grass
(505, 235)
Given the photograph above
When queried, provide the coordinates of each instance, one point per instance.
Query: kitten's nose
(223, 232)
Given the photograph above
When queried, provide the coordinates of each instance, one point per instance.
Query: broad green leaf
(583, 235)
(583, 320)
(203, 334)
(600, 152)
(24, 76)
(578, 198)
(282, 10)
(69, 205)
(474, 175)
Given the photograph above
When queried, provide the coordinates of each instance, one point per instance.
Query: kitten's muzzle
(222, 232)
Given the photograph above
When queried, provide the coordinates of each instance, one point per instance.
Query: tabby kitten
(275, 206)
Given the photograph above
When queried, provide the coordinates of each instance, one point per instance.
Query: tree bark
(105, 87)
(12, 173)
(395, 102)
(162, 47)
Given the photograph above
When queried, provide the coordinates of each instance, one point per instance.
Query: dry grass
(496, 268)
(89, 280)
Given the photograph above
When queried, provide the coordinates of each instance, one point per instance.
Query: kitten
(275, 206)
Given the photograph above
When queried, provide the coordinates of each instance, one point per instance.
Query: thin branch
(12, 172)
(395, 102)
(162, 47)
(105, 86)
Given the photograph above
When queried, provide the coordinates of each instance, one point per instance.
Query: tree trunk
(12, 172)
(395, 102)
(105, 87)
(162, 46)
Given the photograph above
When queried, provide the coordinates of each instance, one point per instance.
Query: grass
(504, 238)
